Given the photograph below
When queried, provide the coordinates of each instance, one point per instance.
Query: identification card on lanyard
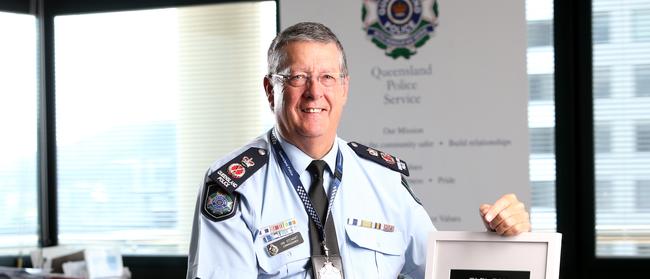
(326, 266)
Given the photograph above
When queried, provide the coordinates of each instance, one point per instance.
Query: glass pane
(643, 196)
(18, 143)
(540, 87)
(540, 32)
(542, 141)
(602, 82)
(621, 83)
(600, 27)
(602, 138)
(640, 20)
(541, 113)
(642, 80)
(142, 98)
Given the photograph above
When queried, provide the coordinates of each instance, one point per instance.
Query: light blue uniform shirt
(369, 192)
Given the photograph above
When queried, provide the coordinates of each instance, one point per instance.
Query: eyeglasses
(299, 80)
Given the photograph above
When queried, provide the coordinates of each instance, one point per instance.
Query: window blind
(18, 143)
(541, 113)
(145, 101)
(621, 81)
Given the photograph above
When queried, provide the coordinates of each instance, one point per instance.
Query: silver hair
(306, 32)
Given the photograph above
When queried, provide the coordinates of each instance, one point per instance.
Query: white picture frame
(459, 253)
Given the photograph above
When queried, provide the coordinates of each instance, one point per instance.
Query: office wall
(450, 102)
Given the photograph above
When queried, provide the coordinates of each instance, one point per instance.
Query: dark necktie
(317, 191)
(320, 202)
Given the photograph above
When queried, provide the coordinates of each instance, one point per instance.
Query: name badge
(284, 244)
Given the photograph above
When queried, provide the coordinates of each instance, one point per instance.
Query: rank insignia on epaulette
(379, 157)
(232, 174)
(408, 188)
(217, 204)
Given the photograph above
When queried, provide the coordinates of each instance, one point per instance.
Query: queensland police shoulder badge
(219, 200)
(399, 26)
(217, 204)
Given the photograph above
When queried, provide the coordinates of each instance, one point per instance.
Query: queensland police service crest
(399, 26)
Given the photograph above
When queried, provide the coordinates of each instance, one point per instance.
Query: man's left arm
(507, 216)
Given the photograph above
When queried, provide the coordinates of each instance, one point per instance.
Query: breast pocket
(386, 247)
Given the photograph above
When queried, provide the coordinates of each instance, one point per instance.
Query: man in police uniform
(299, 202)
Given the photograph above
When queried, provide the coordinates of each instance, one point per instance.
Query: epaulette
(232, 174)
(379, 157)
(219, 197)
(408, 188)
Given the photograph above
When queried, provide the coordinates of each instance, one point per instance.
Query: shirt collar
(300, 160)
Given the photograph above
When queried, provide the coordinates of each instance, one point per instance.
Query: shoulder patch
(217, 204)
(408, 188)
(231, 175)
(379, 157)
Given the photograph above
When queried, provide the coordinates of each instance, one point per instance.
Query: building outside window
(19, 141)
(643, 196)
(602, 82)
(621, 82)
(541, 113)
(540, 87)
(600, 27)
(142, 102)
(640, 21)
(642, 80)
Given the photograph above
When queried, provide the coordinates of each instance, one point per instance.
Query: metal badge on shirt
(284, 244)
(327, 267)
(283, 236)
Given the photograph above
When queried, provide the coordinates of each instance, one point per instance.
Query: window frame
(574, 137)
(140, 266)
(16, 6)
(575, 160)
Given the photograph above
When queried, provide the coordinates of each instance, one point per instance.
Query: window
(142, 100)
(643, 137)
(602, 82)
(622, 129)
(543, 205)
(643, 196)
(18, 143)
(541, 113)
(541, 33)
(640, 23)
(540, 87)
(642, 80)
(606, 196)
(542, 140)
(541, 193)
(602, 140)
(600, 27)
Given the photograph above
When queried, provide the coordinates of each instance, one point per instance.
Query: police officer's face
(310, 112)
